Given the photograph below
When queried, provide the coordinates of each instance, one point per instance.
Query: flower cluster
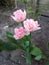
(21, 39)
(29, 25)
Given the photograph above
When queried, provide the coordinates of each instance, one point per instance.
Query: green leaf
(47, 63)
(7, 46)
(39, 57)
(27, 44)
(9, 34)
(36, 51)
(11, 38)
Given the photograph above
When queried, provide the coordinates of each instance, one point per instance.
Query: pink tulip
(31, 25)
(19, 33)
(19, 15)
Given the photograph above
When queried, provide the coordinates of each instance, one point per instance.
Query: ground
(40, 38)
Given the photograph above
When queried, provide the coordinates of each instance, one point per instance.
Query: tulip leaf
(9, 34)
(36, 51)
(27, 44)
(39, 57)
(7, 46)
(11, 38)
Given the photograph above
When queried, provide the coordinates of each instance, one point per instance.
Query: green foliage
(11, 38)
(7, 46)
(38, 57)
(35, 51)
(9, 35)
(24, 44)
(27, 44)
